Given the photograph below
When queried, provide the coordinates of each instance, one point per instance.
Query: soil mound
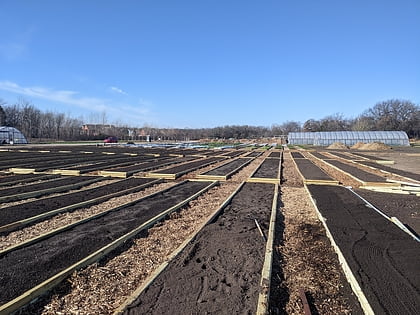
(374, 146)
(357, 145)
(337, 146)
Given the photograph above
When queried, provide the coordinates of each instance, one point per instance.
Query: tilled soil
(66, 218)
(268, 169)
(190, 165)
(100, 288)
(405, 207)
(297, 155)
(357, 172)
(343, 178)
(30, 209)
(275, 154)
(24, 268)
(15, 179)
(383, 258)
(55, 183)
(392, 170)
(220, 270)
(227, 168)
(310, 171)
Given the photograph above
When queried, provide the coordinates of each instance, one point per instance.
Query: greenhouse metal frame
(349, 138)
(10, 135)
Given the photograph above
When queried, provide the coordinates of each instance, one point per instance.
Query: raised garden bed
(26, 267)
(177, 171)
(219, 271)
(226, 170)
(77, 199)
(383, 258)
(312, 174)
(61, 184)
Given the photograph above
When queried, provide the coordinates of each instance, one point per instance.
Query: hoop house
(349, 138)
(10, 135)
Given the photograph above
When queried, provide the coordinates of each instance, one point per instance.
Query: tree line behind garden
(36, 125)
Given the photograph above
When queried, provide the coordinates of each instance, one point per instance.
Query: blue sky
(210, 62)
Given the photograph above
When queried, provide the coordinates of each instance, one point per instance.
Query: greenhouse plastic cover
(325, 138)
(10, 135)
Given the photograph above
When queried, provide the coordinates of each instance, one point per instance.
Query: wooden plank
(175, 253)
(113, 174)
(161, 175)
(357, 290)
(384, 162)
(381, 184)
(48, 284)
(66, 172)
(265, 282)
(212, 177)
(18, 170)
(49, 190)
(76, 206)
(321, 182)
(263, 180)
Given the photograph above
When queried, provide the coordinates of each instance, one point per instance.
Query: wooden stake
(259, 229)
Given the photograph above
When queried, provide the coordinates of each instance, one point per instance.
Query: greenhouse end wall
(10, 135)
(349, 138)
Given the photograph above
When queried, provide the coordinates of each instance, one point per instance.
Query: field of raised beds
(132, 230)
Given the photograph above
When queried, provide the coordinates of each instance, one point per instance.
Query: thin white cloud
(117, 90)
(65, 97)
(124, 112)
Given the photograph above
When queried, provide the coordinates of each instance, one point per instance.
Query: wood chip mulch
(100, 288)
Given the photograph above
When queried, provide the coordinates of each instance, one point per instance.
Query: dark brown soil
(357, 172)
(228, 167)
(320, 155)
(310, 171)
(191, 165)
(233, 153)
(268, 169)
(297, 155)
(22, 269)
(254, 154)
(147, 165)
(276, 154)
(383, 258)
(405, 207)
(220, 270)
(55, 183)
(391, 170)
(16, 179)
(30, 209)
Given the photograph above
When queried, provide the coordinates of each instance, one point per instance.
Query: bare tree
(2, 113)
(396, 114)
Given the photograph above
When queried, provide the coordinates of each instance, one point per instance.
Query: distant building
(349, 138)
(98, 129)
(10, 135)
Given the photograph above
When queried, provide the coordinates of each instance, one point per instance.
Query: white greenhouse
(349, 138)
(10, 135)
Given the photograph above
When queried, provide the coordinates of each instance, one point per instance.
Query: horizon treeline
(394, 114)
